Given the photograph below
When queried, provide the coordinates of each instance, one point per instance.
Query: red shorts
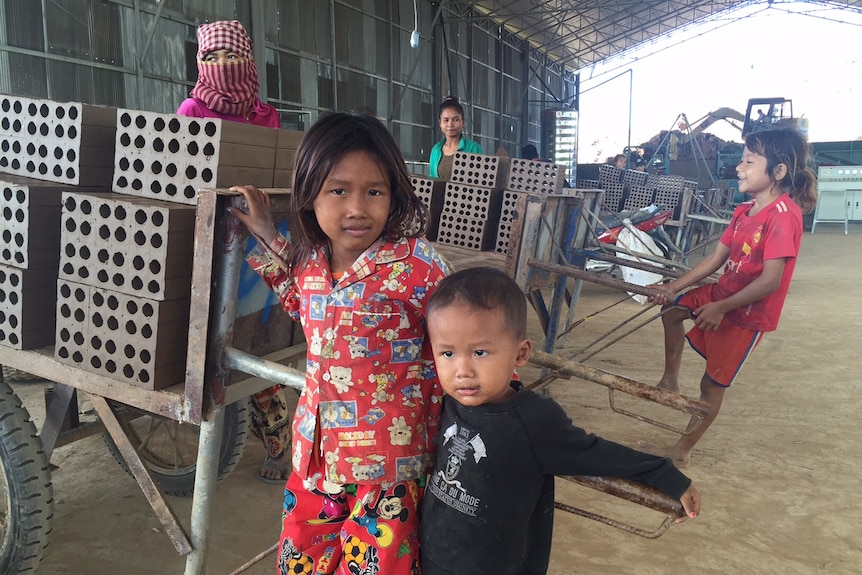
(725, 349)
(364, 529)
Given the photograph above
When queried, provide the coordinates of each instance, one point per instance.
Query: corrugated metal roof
(583, 33)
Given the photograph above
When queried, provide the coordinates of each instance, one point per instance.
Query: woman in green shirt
(443, 152)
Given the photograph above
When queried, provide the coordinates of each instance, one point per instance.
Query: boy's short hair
(483, 288)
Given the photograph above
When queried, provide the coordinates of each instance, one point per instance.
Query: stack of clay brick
(112, 290)
(474, 209)
(169, 157)
(45, 148)
(123, 293)
(633, 190)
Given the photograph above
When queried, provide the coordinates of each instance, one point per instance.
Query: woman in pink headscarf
(227, 89)
(227, 78)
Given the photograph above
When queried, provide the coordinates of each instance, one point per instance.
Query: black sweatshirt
(489, 505)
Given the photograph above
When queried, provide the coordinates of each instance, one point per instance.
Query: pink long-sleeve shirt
(260, 115)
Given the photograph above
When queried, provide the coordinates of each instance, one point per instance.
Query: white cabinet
(854, 204)
(840, 195)
(832, 204)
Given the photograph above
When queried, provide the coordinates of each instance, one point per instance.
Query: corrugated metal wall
(321, 54)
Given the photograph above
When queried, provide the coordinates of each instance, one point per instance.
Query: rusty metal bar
(230, 236)
(632, 491)
(572, 299)
(613, 523)
(170, 522)
(668, 272)
(575, 324)
(255, 560)
(651, 421)
(626, 334)
(565, 220)
(617, 382)
(641, 264)
(672, 268)
(613, 329)
(591, 277)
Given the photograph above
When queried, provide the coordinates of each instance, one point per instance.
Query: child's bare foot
(680, 461)
(668, 385)
(275, 470)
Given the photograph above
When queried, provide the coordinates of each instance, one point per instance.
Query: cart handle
(629, 490)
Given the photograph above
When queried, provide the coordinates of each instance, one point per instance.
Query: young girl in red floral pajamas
(356, 274)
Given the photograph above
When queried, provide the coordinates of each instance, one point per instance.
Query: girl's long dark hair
(788, 147)
(327, 141)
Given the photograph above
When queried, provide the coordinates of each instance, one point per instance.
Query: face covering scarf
(226, 88)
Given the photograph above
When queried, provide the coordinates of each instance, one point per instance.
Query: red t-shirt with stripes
(774, 232)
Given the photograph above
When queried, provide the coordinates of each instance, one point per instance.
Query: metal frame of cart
(549, 235)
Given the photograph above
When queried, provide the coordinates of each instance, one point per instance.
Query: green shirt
(466, 145)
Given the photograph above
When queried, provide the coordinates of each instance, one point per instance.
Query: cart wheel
(26, 493)
(169, 449)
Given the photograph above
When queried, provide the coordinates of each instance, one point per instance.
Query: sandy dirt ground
(779, 469)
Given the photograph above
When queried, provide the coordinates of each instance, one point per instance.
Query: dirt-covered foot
(275, 470)
(680, 461)
(668, 385)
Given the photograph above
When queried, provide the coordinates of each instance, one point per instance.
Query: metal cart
(548, 232)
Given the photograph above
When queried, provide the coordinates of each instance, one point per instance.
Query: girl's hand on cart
(256, 216)
(708, 316)
(665, 297)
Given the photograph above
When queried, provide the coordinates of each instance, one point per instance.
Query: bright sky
(800, 51)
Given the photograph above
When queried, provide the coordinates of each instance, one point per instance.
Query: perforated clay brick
(164, 156)
(132, 245)
(132, 339)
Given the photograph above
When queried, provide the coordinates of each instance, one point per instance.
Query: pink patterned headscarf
(226, 88)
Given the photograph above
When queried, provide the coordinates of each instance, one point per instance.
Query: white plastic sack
(641, 243)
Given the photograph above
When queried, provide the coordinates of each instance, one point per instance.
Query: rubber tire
(26, 492)
(179, 479)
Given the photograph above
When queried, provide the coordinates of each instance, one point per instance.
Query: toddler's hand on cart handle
(690, 503)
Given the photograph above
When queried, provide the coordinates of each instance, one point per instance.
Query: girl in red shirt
(356, 272)
(758, 251)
